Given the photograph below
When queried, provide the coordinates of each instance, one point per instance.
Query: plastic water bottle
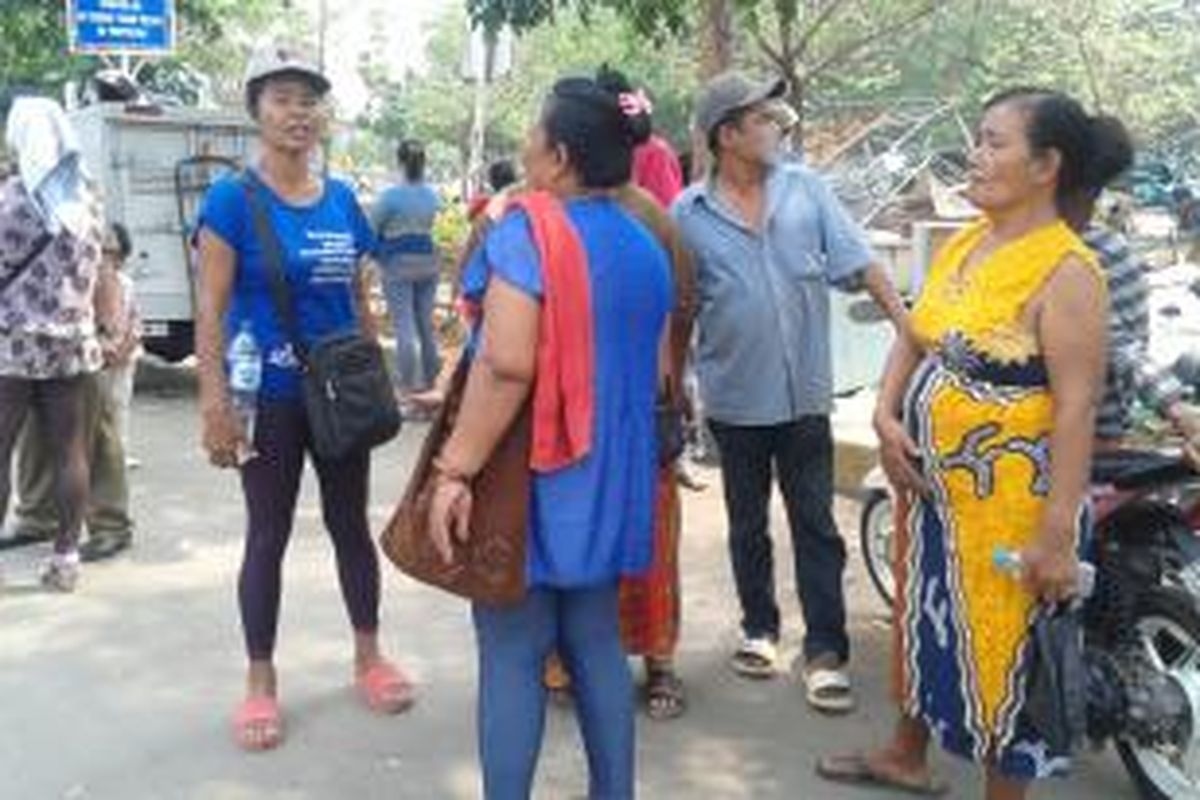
(1010, 561)
(245, 378)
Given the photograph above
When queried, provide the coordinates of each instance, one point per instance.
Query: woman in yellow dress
(985, 422)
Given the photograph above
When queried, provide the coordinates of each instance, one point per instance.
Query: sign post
(121, 27)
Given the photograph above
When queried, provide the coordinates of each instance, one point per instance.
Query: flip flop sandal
(258, 714)
(664, 696)
(385, 689)
(828, 690)
(856, 770)
(60, 573)
(756, 658)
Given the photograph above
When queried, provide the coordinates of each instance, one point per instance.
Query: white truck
(153, 169)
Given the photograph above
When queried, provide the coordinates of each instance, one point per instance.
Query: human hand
(899, 455)
(450, 516)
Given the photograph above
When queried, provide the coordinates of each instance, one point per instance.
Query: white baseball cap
(281, 59)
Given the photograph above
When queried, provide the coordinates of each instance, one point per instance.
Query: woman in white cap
(50, 237)
(322, 237)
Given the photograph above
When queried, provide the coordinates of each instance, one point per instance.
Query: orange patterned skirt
(651, 603)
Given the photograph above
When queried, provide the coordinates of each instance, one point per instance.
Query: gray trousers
(108, 502)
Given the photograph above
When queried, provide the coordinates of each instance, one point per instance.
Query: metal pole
(323, 23)
(478, 149)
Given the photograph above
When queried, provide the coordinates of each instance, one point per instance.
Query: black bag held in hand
(672, 440)
(348, 395)
(1056, 705)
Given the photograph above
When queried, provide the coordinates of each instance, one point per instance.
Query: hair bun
(588, 119)
(635, 107)
(1110, 151)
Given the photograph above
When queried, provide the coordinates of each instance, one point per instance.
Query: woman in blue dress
(591, 517)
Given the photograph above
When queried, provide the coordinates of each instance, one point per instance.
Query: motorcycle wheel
(876, 530)
(1168, 625)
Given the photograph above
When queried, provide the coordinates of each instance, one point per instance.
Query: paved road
(122, 691)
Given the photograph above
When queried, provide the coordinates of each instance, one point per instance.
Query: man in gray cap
(769, 239)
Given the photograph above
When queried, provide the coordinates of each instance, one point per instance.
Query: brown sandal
(664, 696)
(857, 770)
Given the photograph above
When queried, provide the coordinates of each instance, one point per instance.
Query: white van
(152, 168)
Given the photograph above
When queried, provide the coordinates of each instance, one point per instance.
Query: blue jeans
(410, 304)
(800, 455)
(514, 643)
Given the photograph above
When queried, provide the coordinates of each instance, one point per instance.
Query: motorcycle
(1142, 621)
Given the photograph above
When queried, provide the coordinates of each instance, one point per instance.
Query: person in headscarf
(50, 250)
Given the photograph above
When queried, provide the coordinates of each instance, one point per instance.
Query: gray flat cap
(731, 91)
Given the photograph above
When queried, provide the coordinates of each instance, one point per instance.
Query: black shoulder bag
(348, 396)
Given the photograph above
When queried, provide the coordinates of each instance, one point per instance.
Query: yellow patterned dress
(980, 411)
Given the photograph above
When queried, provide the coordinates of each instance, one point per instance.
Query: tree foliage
(651, 18)
(212, 39)
(437, 105)
(1138, 59)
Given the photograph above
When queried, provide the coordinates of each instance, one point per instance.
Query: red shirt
(477, 204)
(656, 169)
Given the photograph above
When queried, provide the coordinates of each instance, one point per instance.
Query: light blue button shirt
(763, 354)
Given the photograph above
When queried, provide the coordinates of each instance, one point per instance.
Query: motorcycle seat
(1139, 469)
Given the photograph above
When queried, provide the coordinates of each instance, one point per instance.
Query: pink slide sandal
(258, 724)
(385, 689)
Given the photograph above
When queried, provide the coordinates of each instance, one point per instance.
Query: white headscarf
(49, 163)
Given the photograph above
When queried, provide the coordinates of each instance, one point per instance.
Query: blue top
(323, 244)
(592, 522)
(403, 218)
(763, 356)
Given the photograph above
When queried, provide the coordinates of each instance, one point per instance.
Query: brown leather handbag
(491, 567)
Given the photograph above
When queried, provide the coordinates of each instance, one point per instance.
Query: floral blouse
(47, 319)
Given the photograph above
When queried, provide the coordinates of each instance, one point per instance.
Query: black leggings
(271, 483)
(58, 404)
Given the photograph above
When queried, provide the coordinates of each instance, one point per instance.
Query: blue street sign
(121, 26)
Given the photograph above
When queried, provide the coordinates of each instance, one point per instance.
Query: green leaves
(437, 105)
(651, 18)
(33, 41)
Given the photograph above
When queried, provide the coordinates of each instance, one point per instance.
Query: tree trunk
(716, 47)
(479, 117)
(795, 98)
(716, 56)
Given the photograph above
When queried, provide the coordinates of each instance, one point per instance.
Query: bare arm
(897, 451)
(500, 379)
(1073, 336)
(499, 382)
(678, 336)
(880, 287)
(901, 362)
(218, 265)
(367, 322)
(1072, 330)
(107, 305)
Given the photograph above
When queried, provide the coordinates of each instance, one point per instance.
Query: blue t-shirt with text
(323, 244)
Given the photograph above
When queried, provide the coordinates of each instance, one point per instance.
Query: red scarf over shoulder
(564, 391)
